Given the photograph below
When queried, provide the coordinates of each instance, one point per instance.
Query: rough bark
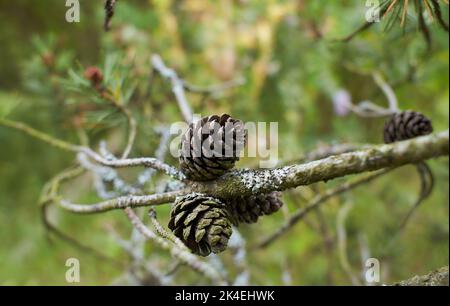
(437, 277)
(247, 182)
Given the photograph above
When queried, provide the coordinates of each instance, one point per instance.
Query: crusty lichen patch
(437, 277)
(258, 181)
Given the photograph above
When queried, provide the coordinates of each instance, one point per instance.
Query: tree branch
(247, 182)
(315, 204)
(148, 162)
(132, 201)
(437, 277)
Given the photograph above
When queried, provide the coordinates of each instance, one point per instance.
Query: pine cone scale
(211, 146)
(204, 225)
(249, 209)
(406, 125)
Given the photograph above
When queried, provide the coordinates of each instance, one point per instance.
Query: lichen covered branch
(122, 202)
(437, 277)
(247, 182)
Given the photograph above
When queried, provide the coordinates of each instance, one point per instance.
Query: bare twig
(177, 85)
(426, 187)
(315, 203)
(237, 245)
(182, 255)
(364, 252)
(122, 202)
(342, 242)
(160, 154)
(162, 231)
(365, 26)
(387, 90)
(328, 244)
(132, 125)
(49, 196)
(57, 143)
(149, 162)
(104, 174)
(180, 86)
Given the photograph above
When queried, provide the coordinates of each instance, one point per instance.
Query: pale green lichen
(438, 277)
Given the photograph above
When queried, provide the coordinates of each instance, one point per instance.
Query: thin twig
(316, 203)
(177, 85)
(48, 197)
(57, 143)
(387, 90)
(132, 201)
(182, 255)
(328, 244)
(149, 162)
(162, 231)
(132, 125)
(342, 242)
(237, 245)
(426, 187)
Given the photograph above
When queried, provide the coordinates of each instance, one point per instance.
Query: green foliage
(293, 62)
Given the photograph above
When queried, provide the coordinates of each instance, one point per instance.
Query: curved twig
(316, 203)
(49, 194)
(182, 255)
(132, 201)
(148, 162)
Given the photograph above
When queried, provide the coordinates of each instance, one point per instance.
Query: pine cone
(211, 146)
(406, 125)
(248, 209)
(201, 222)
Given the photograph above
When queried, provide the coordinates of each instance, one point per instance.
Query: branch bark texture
(247, 182)
(437, 277)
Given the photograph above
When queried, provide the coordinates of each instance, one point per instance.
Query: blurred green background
(293, 64)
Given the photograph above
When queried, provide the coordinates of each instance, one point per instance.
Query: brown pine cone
(406, 125)
(211, 146)
(248, 209)
(201, 222)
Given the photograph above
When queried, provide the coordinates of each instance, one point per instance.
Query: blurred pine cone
(248, 209)
(211, 146)
(406, 125)
(201, 222)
